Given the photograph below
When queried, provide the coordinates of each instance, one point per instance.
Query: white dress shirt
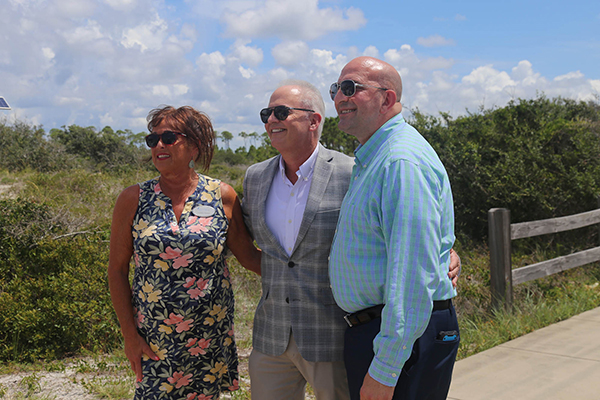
(286, 202)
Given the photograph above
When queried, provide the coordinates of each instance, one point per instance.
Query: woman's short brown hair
(194, 124)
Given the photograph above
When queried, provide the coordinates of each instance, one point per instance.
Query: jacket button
(287, 300)
(291, 264)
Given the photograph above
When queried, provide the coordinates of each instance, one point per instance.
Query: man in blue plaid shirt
(391, 251)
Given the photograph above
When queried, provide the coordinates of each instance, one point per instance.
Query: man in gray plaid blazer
(291, 204)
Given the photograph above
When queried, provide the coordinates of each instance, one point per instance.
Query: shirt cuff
(385, 374)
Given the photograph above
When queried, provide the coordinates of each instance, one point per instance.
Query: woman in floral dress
(177, 315)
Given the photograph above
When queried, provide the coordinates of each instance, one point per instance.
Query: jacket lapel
(320, 179)
(263, 192)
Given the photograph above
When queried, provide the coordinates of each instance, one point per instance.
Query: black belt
(369, 314)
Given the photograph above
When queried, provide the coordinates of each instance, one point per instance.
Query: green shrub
(538, 158)
(105, 150)
(24, 147)
(54, 297)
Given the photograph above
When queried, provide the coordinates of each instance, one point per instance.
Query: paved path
(561, 361)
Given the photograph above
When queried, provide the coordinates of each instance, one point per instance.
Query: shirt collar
(306, 169)
(364, 153)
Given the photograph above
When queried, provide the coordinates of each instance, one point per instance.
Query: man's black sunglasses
(348, 88)
(281, 112)
(167, 137)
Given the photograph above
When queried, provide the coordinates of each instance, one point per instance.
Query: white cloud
(211, 65)
(569, 76)
(435, 41)
(460, 17)
(74, 9)
(26, 25)
(70, 101)
(121, 5)
(106, 120)
(435, 63)
(277, 75)
(290, 20)
(83, 34)
(215, 8)
(325, 59)
(489, 79)
(148, 36)
(247, 73)
(93, 64)
(179, 90)
(413, 67)
(48, 53)
(290, 54)
(189, 31)
(248, 55)
(161, 90)
(371, 51)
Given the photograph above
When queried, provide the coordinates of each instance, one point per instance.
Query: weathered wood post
(500, 268)
(599, 224)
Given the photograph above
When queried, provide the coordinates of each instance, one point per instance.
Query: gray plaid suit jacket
(296, 293)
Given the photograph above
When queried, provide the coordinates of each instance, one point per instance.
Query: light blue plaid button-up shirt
(393, 241)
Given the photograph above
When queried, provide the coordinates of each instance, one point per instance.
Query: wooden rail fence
(502, 232)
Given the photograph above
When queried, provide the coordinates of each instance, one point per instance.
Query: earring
(191, 164)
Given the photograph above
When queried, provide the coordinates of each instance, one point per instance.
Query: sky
(109, 62)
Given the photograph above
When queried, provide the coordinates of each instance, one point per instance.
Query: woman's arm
(238, 238)
(121, 250)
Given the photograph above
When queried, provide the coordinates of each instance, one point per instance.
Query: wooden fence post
(598, 224)
(500, 267)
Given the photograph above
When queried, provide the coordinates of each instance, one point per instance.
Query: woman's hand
(135, 348)
(121, 250)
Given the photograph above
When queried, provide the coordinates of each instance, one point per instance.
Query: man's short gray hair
(312, 98)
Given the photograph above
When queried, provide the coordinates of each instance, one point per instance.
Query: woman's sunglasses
(167, 137)
(348, 88)
(281, 112)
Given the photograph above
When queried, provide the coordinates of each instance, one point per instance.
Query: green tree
(333, 138)
(105, 149)
(244, 136)
(227, 137)
(539, 158)
(254, 138)
(24, 146)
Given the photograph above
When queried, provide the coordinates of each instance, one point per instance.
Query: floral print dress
(182, 296)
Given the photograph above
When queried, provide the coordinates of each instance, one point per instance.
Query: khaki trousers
(284, 377)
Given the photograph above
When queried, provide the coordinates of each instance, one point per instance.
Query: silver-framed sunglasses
(348, 88)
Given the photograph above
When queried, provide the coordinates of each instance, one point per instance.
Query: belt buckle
(348, 320)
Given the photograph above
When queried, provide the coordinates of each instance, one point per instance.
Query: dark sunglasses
(348, 88)
(167, 137)
(281, 112)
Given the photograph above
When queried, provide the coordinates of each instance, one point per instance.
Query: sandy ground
(70, 383)
(45, 385)
(4, 189)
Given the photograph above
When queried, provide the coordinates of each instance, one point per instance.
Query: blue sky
(108, 62)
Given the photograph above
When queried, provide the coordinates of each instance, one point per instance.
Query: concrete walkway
(561, 361)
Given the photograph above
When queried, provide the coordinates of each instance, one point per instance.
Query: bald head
(379, 71)
(376, 97)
